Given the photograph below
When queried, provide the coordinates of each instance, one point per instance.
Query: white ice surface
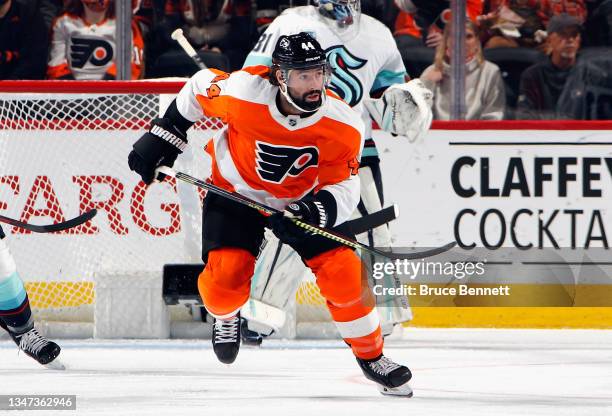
(456, 372)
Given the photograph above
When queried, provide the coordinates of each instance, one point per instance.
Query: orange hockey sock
(225, 283)
(343, 283)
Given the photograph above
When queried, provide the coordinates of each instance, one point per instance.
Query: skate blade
(55, 365)
(401, 391)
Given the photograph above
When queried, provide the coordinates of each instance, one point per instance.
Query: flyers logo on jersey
(215, 90)
(97, 52)
(275, 163)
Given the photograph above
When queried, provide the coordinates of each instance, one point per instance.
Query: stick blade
(51, 228)
(81, 219)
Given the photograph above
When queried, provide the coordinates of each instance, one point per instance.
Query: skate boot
(226, 338)
(249, 337)
(391, 378)
(35, 345)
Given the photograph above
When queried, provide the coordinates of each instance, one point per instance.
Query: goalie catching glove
(403, 109)
(309, 209)
(160, 146)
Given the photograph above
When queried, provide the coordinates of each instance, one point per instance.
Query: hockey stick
(51, 228)
(376, 219)
(178, 36)
(332, 235)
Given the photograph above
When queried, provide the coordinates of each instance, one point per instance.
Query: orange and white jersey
(87, 51)
(269, 157)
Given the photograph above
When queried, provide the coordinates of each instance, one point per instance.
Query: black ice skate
(37, 347)
(391, 378)
(249, 337)
(226, 339)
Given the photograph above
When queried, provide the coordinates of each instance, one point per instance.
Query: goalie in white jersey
(366, 63)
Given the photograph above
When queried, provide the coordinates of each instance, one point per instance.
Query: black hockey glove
(160, 146)
(309, 209)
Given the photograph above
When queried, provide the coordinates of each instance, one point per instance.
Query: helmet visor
(313, 78)
(305, 88)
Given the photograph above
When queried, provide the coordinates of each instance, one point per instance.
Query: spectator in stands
(24, 41)
(521, 23)
(598, 24)
(50, 9)
(83, 43)
(222, 26)
(541, 84)
(484, 88)
(267, 11)
(421, 22)
(587, 94)
(419, 27)
(382, 10)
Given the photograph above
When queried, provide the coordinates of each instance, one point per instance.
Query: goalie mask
(342, 16)
(304, 71)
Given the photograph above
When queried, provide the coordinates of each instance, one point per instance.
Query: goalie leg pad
(343, 283)
(225, 283)
(278, 273)
(392, 310)
(371, 201)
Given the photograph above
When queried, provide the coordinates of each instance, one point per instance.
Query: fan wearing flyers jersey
(83, 43)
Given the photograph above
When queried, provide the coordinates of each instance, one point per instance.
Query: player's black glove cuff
(160, 146)
(309, 210)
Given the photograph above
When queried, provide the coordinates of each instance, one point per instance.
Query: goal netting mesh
(63, 152)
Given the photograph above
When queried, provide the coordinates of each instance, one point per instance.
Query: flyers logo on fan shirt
(97, 52)
(275, 163)
(86, 51)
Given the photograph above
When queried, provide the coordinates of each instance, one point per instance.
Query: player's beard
(308, 105)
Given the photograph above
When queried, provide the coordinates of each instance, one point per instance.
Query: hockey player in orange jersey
(290, 144)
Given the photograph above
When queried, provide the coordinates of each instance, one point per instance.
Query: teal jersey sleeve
(393, 70)
(254, 59)
(262, 51)
(386, 78)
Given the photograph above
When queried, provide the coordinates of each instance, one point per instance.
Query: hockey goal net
(64, 148)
